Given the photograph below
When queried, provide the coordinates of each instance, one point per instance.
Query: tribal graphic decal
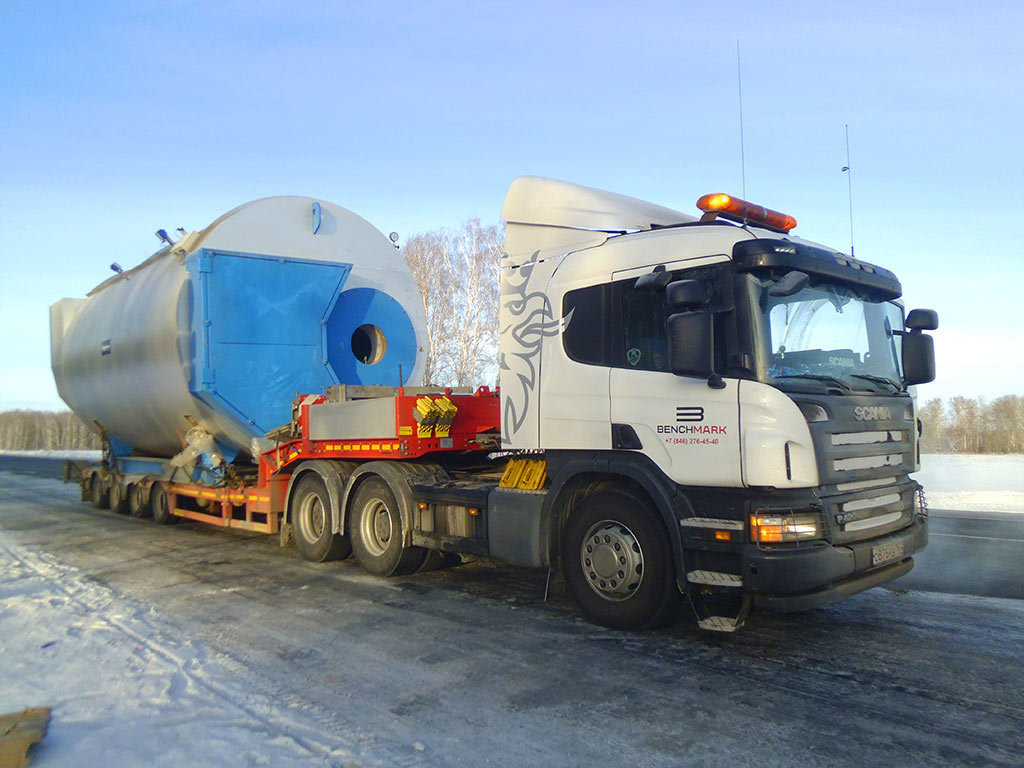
(526, 319)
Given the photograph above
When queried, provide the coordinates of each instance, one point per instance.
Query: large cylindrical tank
(280, 296)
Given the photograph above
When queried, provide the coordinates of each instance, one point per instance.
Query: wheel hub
(312, 517)
(382, 526)
(612, 561)
(375, 527)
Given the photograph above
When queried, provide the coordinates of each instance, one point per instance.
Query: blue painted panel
(258, 325)
(119, 447)
(144, 465)
(367, 306)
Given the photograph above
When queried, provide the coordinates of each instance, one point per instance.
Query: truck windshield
(834, 336)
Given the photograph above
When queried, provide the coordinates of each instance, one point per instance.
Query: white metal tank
(281, 296)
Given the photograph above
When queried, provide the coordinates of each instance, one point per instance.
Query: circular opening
(369, 344)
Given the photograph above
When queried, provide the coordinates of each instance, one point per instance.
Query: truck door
(688, 429)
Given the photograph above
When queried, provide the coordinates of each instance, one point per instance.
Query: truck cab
(748, 391)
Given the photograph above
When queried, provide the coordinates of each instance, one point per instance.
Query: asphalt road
(472, 665)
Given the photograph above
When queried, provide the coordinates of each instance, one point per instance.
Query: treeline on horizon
(955, 425)
(973, 425)
(25, 430)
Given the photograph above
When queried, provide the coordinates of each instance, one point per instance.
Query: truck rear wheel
(138, 500)
(376, 528)
(98, 495)
(118, 497)
(618, 563)
(313, 523)
(160, 505)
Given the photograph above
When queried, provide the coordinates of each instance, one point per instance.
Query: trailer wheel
(313, 523)
(376, 527)
(98, 495)
(618, 563)
(118, 497)
(160, 506)
(138, 501)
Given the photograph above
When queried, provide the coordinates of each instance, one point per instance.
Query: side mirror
(691, 343)
(918, 357)
(656, 280)
(922, 320)
(685, 294)
(791, 282)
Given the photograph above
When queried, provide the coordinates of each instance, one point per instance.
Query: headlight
(781, 527)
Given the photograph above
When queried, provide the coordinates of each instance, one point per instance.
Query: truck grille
(864, 466)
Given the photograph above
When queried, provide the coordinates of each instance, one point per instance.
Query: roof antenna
(739, 85)
(849, 185)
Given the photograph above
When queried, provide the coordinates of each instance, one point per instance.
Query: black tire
(98, 495)
(618, 564)
(312, 522)
(138, 501)
(375, 524)
(118, 497)
(160, 507)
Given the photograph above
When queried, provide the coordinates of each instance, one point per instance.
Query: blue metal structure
(266, 328)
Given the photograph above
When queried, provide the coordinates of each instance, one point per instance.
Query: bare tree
(967, 425)
(457, 273)
(934, 438)
(1004, 425)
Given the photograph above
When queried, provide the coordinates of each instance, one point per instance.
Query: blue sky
(120, 118)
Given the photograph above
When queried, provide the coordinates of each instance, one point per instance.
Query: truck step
(715, 578)
(719, 624)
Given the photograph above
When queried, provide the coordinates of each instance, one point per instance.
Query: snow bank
(73, 455)
(973, 482)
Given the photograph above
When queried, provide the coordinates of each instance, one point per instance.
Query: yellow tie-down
(434, 415)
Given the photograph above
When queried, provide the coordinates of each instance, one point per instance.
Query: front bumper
(799, 578)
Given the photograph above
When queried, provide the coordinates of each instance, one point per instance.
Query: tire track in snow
(330, 749)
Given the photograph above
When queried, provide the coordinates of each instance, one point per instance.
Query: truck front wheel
(618, 563)
(313, 523)
(377, 536)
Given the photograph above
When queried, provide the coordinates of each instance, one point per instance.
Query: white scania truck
(702, 407)
(719, 404)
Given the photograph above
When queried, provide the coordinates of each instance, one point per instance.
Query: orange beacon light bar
(734, 208)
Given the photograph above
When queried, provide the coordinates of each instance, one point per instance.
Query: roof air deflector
(548, 202)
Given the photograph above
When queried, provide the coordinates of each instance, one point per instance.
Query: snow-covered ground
(128, 690)
(179, 646)
(973, 482)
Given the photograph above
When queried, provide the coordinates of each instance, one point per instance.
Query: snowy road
(187, 645)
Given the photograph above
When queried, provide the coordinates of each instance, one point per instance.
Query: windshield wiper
(817, 377)
(880, 379)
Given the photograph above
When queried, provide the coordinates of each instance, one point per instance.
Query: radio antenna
(739, 86)
(849, 185)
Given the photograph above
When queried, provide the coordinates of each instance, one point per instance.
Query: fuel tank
(278, 297)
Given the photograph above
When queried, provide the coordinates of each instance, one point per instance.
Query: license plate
(887, 553)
